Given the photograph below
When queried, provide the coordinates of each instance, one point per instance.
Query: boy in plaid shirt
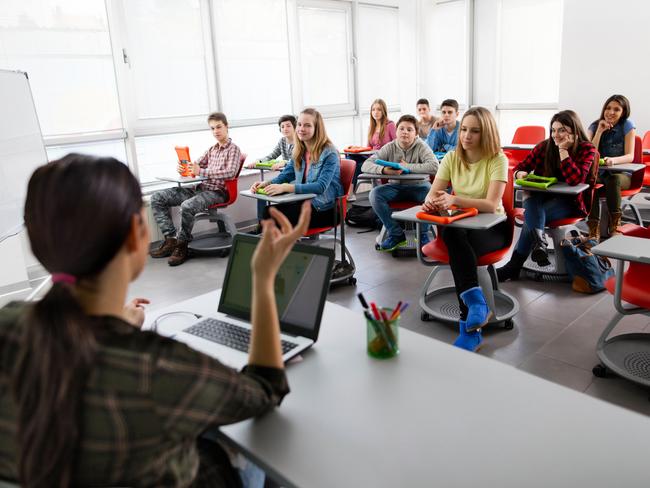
(220, 162)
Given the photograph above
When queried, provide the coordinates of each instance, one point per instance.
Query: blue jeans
(381, 196)
(540, 209)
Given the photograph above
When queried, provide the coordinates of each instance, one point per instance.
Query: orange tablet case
(441, 219)
(183, 153)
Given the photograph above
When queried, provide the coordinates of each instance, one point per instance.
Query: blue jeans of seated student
(382, 196)
(540, 209)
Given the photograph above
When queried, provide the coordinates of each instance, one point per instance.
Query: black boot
(512, 268)
(540, 248)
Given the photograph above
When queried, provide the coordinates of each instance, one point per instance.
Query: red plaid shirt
(573, 169)
(219, 163)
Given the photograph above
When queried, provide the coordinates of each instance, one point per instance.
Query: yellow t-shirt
(475, 181)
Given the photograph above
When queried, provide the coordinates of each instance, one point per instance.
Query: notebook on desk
(300, 287)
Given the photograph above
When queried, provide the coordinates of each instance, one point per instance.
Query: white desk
(646, 151)
(433, 416)
(282, 198)
(625, 248)
(481, 221)
(632, 167)
(181, 180)
(520, 147)
(402, 177)
(561, 188)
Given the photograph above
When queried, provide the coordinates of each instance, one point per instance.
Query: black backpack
(362, 216)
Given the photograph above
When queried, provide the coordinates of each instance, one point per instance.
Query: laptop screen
(300, 286)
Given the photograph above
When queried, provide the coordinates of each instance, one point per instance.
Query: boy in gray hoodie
(411, 153)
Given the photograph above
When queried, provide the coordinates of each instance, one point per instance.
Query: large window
(530, 49)
(378, 48)
(326, 55)
(64, 47)
(253, 58)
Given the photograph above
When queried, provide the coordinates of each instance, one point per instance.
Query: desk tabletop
(405, 177)
(560, 187)
(433, 416)
(646, 151)
(362, 153)
(626, 248)
(622, 167)
(527, 147)
(182, 179)
(283, 198)
(481, 221)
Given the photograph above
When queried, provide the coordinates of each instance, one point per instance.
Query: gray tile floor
(555, 331)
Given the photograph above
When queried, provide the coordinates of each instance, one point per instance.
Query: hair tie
(64, 278)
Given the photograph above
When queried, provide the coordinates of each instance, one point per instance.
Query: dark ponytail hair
(78, 213)
(570, 119)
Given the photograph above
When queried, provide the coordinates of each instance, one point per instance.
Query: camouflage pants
(191, 200)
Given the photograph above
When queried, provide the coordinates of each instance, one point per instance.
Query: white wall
(604, 51)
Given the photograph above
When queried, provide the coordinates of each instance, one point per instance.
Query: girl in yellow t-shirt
(478, 173)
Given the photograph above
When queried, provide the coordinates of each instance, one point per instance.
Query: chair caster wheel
(352, 281)
(508, 324)
(425, 317)
(600, 371)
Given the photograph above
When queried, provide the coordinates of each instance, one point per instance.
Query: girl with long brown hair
(87, 398)
(381, 130)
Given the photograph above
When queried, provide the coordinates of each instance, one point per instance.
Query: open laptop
(300, 288)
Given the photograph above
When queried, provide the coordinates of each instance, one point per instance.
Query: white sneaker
(352, 198)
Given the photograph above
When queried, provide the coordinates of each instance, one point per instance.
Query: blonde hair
(373, 122)
(490, 141)
(320, 139)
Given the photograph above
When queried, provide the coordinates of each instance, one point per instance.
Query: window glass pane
(167, 57)
(256, 141)
(373, 82)
(509, 120)
(64, 46)
(340, 130)
(447, 65)
(114, 149)
(324, 55)
(531, 41)
(253, 58)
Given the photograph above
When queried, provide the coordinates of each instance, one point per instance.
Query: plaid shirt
(219, 163)
(572, 170)
(146, 401)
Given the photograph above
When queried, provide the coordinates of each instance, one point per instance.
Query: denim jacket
(323, 178)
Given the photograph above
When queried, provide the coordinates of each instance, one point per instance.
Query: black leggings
(291, 210)
(464, 246)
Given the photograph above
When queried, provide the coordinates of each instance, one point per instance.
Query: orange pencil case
(357, 149)
(448, 217)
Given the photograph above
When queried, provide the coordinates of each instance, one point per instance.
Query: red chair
(345, 268)
(526, 134)
(503, 305)
(219, 242)
(627, 354)
(646, 147)
(637, 182)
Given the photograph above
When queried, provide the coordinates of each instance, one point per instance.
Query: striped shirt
(147, 400)
(283, 148)
(219, 163)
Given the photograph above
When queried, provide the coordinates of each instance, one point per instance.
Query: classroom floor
(555, 330)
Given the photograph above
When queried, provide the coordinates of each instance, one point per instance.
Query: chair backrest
(529, 134)
(347, 173)
(231, 185)
(637, 176)
(646, 145)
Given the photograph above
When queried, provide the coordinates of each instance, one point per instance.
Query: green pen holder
(382, 339)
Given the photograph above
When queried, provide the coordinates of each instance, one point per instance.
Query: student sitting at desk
(315, 167)
(284, 148)
(220, 162)
(478, 173)
(613, 134)
(567, 155)
(427, 119)
(444, 134)
(412, 154)
(381, 130)
(88, 399)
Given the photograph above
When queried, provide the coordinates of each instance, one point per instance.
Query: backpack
(362, 216)
(587, 271)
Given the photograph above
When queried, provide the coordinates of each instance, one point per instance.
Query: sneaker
(352, 197)
(391, 243)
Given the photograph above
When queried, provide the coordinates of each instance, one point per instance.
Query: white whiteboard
(21, 147)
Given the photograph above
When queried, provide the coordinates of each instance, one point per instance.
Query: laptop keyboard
(230, 335)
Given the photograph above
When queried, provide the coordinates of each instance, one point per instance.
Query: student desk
(557, 269)
(433, 416)
(359, 158)
(181, 180)
(646, 152)
(442, 303)
(412, 243)
(631, 167)
(625, 354)
(518, 147)
(282, 198)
